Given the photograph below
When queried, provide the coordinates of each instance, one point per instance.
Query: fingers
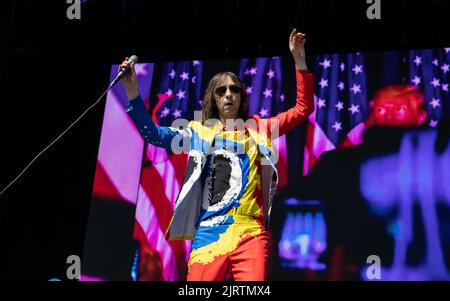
(299, 37)
(123, 65)
(133, 71)
(291, 36)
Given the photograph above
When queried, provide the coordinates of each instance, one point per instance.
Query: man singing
(230, 180)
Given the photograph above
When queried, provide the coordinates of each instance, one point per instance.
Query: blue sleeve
(157, 135)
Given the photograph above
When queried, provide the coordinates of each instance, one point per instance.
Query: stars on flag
(323, 83)
(433, 123)
(181, 94)
(172, 74)
(169, 92)
(184, 76)
(282, 97)
(339, 106)
(249, 90)
(445, 87)
(165, 112)
(321, 103)
(342, 103)
(194, 79)
(354, 109)
(195, 63)
(267, 93)
(325, 64)
(252, 71)
(435, 82)
(356, 88)
(417, 60)
(357, 69)
(177, 113)
(416, 80)
(263, 112)
(270, 74)
(435, 102)
(337, 126)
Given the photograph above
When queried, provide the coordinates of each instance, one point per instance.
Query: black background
(53, 68)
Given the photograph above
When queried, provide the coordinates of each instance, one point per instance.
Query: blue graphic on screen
(303, 237)
(416, 177)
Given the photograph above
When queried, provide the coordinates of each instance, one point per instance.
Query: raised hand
(129, 80)
(297, 47)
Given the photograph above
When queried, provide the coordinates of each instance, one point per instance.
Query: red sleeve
(304, 105)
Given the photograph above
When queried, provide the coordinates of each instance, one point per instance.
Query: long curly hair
(209, 107)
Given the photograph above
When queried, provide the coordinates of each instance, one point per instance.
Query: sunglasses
(223, 89)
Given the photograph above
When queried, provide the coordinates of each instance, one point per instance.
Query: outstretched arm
(297, 47)
(304, 104)
(157, 135)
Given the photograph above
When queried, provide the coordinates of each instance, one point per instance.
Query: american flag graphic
(150, 177)
(344, 83)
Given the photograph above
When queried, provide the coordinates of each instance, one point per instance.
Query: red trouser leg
(214, 271)
(249, 260)
(246, 261)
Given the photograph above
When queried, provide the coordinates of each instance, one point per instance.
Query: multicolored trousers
(229, 246)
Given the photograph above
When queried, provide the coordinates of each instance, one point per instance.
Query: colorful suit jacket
(196, 139)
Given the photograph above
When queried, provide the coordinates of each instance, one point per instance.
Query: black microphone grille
(133, 59)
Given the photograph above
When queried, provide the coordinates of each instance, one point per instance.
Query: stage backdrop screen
(136, 184)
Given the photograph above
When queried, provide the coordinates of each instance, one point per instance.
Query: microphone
(132, 59)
